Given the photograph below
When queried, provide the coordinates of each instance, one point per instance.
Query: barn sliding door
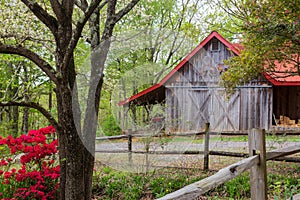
(224, 111)
(189, 109)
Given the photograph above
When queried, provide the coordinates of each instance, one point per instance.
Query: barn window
(215, 45)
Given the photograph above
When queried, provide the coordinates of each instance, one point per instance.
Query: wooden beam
(258, 173)
(283, 152)
(198, 188)
(206, 148)
(116, 137)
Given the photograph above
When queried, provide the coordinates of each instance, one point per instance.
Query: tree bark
(25, 123)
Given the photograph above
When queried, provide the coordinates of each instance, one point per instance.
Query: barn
(193, 96)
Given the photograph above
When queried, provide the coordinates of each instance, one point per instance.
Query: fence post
(206, 148)
(258, 173)
(130, 147)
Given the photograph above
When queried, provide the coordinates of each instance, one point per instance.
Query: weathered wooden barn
(193, 96)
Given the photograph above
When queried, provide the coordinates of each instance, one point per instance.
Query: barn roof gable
(273, 77)
(158, 86)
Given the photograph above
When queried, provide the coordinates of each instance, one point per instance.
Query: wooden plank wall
(256, 108)
(195, 98)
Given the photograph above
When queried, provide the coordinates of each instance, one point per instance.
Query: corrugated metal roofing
(284, 74)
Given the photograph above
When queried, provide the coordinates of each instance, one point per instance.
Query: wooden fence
(256, 163)
(206, 152)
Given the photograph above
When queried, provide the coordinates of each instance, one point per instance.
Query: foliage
(112, 184)
(270, 34)
(151, 42)
(283, 182)
(37, 174)
(110, 127)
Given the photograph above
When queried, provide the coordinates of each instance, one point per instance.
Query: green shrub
(110, 127)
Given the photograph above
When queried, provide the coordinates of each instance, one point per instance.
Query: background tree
(30, 29)
(149, 43)
(20, 80)
(270, 33)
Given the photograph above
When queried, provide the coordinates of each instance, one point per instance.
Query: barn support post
(130, 147)
(206, 148)
(258, 173)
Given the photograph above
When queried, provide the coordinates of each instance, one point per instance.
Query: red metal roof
(284, 74)
(140, 94)
(158, 86)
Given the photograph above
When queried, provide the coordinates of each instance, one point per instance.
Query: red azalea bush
(28, 167)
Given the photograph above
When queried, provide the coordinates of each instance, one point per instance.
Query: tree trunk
(70, 147)
(15, 120)
(13, 111)
(69, 136)
(98, 57)
(25, 124)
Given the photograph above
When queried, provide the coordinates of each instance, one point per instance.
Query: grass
(112, 184)
(283, 182)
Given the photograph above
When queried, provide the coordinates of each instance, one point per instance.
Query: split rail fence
(206, 152)
(256, 163)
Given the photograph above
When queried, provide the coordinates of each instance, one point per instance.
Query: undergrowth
(283, 183)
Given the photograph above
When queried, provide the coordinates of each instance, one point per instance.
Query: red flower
(38, 172)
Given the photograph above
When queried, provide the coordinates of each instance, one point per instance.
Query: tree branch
(56, 6)
(42, 15)
(79, 27)
(22, 51)
(125, 10)
(82, 4)
(35, 106)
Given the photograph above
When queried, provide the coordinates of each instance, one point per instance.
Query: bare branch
(56, 6)
(42, 15)
(22, 38)
(35, 106)
(22, 51)
(79, 27)
(82, 4)
(125, 10)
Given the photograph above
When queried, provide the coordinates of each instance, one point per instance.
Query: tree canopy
(269, 32)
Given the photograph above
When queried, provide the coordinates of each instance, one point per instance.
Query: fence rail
(256, 163)
(140, 134)
(255, 160)
(198, 188)
(206, 152)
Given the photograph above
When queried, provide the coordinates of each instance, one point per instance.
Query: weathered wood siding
(194, 97)
(256, 107)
